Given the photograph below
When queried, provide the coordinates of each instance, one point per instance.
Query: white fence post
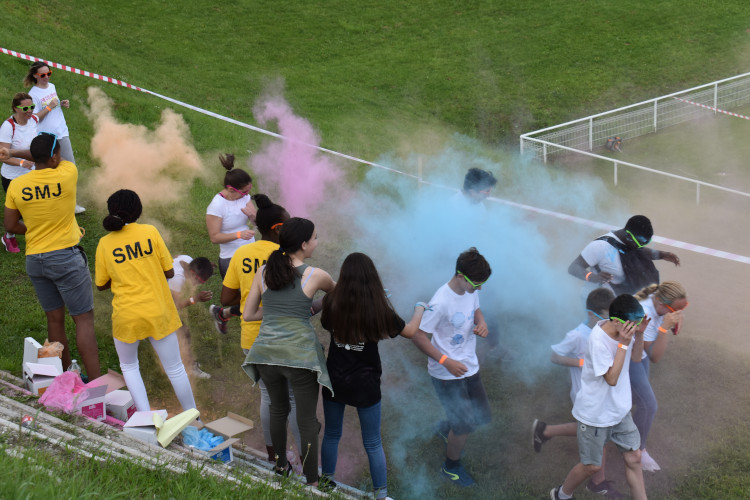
(656, 113)
(591, 134)
(615, 164)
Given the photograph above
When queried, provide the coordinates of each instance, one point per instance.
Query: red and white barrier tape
(713, 109)
(578, 220)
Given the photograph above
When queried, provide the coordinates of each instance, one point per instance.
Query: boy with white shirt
(602, 406)
(454, 319)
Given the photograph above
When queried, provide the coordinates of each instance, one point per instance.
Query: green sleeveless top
(286, 336)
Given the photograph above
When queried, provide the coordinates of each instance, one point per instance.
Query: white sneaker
(79, 209)
(197, 372)
(647, 463)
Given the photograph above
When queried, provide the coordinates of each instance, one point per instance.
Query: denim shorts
(591, 440)
(464, 401)
(62, 278)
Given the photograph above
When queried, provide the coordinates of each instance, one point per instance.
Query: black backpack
(637, 265)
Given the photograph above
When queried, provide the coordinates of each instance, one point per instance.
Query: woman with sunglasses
(664, 304)
(49, 110)
(619, 260)
(287, 351)
(229, 212)
(16, 134)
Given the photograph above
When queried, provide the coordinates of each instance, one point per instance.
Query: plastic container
(74, 367)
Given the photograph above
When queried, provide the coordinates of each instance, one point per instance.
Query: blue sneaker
(457, 475)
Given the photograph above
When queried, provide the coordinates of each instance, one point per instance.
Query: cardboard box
(39, 376)
(141, 425)
(94, 406)
(227, 427)
(120, 405)
(38, 373)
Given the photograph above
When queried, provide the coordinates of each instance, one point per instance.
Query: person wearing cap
(619, 260)
(57, 266)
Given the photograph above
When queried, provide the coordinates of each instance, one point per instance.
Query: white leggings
(168, 350)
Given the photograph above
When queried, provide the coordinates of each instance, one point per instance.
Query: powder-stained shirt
(54, 121)
(46, 199)
(135, 259)
(240, 274)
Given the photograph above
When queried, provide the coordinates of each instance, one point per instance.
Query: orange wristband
(442, 359)
(623, 347)
(48, 108)
(662, 330)
(239, 235)
(587, 275)
(192, 301)
(580, 362)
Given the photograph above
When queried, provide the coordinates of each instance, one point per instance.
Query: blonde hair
(667, 292)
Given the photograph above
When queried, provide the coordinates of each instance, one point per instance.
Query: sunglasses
(475, 285)
(624, 322)
(639, 240)
(242, 193)
(26, 108)
(54, 143)
(672, 309)
(44, 75)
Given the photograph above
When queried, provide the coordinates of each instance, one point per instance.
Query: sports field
(441, 86)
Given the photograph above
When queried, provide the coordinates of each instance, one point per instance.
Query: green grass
(376, 79)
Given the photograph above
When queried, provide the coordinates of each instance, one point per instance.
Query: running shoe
(647, 463)
(10, 244)
(219, 321)
(457, 475)
(197, 372)
(326, 484)
(79, 209)
(606, 488)
(555, 493)
(537, 435)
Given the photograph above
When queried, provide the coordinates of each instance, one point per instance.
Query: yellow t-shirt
(240, 274)
(135, 259)
(46, 199)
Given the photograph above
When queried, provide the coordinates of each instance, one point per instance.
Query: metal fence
(586, 135)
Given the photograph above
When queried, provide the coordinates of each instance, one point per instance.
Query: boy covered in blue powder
(602, 406)
(454, 320)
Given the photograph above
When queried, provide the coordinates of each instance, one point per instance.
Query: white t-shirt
(598, 403)
(20, 140)
(232, 220)
(451, 323)
(178, 280)
(574, 346)
(652, 330)
(601, 253)
(54, 121)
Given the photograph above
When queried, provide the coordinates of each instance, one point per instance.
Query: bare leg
(455, 445)
(634, 474)
(577, 475)
(56, 332)
(568, 429)
(86, 342)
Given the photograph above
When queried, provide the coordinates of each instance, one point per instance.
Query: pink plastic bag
(65, 392)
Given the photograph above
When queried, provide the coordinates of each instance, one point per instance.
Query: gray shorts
(62, 278)
(66, 149)
(591, 440)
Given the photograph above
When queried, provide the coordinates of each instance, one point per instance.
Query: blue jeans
(643, 398)
(369, 423)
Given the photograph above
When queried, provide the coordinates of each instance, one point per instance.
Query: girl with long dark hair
(287, 351)
(358, 315)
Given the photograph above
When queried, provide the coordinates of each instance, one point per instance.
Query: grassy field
(378, 81)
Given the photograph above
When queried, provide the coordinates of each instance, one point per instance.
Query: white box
(141, 425)
(94, 405)
(39, 376)
(227, 427)
(120, 405)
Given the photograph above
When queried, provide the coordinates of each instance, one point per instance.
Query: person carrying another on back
(620, 261)
(57, 266)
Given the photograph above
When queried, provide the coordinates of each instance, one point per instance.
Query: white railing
(585, 135)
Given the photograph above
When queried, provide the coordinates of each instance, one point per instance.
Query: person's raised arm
(623, 338)
(253, 310)
(481, 325)
(413, 325)
(580, 269)
(658, 347)
(213, 225)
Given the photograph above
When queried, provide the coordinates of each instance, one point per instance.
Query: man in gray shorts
(56, 265)
(603, 403)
